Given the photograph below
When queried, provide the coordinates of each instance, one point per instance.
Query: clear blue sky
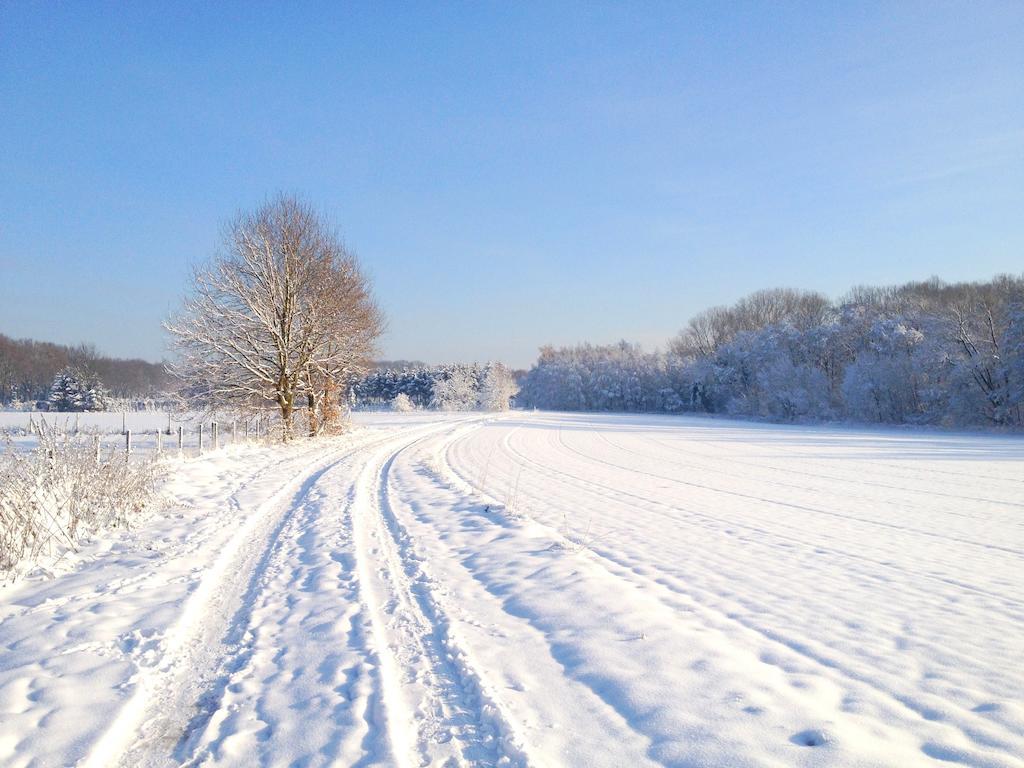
(511, 174)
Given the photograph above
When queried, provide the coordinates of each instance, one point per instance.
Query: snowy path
(544, 590)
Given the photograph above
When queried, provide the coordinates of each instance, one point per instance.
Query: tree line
(921, 353)
(458, 387)
(28, 369)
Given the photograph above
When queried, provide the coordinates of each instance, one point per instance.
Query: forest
(920, 353)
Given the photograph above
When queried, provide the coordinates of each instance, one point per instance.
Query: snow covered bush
(52, 495)
(771, 374)
(792, 391)
(883, 381)
(402, 404)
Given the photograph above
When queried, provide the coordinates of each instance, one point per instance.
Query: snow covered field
(544, 590)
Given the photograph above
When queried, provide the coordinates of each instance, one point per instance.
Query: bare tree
(703, 334)
(713, 327)
(282, 314)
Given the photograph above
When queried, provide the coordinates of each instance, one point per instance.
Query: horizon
(484, 162)
(380, 360)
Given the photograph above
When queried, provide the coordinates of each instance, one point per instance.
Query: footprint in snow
(144, 646)
(812, 738)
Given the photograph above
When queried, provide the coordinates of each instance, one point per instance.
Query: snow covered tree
(927, 352)
(76, 390)
(617, 377)
(459, 387)
(709, 330)
(95, 397)
(1013, 344)
(66, 392)
(497, 388)
(282, 315)
(878, 385)
(456, 391)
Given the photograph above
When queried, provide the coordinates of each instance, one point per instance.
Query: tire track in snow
(900, 473)
(299, 603)
(693, 464)
(798, 507)
(858, 482)
(607, 491)
(533, 663)
(304, 578)
(1010, 602)
(229, 497)
(425, 678)
(151, 723)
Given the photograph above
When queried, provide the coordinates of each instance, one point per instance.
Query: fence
(188, 439)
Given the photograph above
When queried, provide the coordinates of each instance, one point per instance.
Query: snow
(542, 589)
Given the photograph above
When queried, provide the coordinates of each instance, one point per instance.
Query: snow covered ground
(544, 590)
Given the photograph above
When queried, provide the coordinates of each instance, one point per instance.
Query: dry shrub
(53, 494)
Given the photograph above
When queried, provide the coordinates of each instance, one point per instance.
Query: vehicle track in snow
(669, 512)
(802, 508)
(436, 710)
(319, 606)
(856, 489)
(794, 537)
(163, 706)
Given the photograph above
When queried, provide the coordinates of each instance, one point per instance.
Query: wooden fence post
(181, 438)
(127, 444)
(216, 435)
(200, 438)
(159, 442)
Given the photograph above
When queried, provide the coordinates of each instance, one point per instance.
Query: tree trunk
(314, 422)
(284, 400)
